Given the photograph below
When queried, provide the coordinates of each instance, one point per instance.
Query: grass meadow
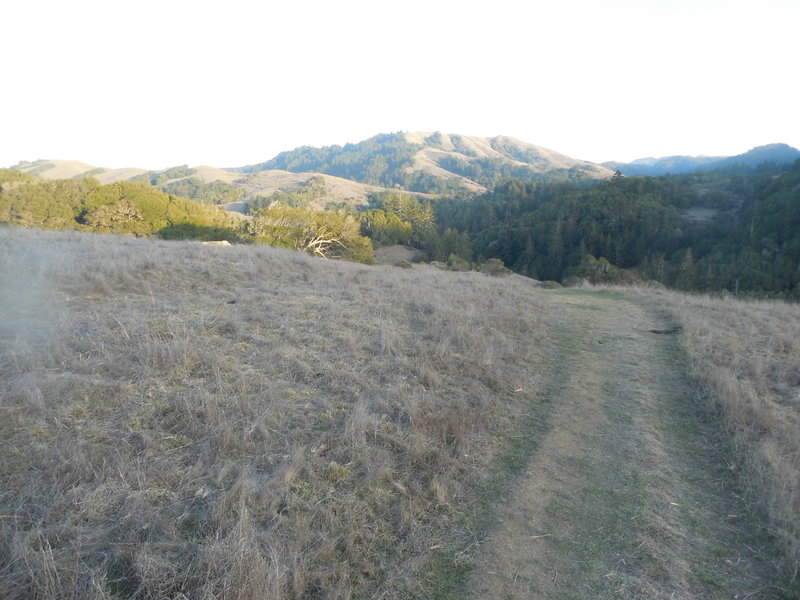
(189, 421)
(180, 420)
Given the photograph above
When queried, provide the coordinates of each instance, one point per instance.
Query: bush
(495, 268)
(550, 285)
(456, 263)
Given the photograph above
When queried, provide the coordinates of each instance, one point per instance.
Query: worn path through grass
(626, 494)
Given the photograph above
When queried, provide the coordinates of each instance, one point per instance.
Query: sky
(155, 84)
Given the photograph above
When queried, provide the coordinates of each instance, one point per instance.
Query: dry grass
(747, 356)
(186, 421)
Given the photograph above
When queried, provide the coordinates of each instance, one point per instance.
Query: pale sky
(155, 84)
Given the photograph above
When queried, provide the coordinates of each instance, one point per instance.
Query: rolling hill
(778, 154)
(434, 162)
(195, 181)
(428, 164)
(422, 162)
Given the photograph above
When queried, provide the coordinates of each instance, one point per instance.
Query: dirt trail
(625, 495)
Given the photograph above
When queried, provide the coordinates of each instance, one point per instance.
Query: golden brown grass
(186, 421)
(746, 354)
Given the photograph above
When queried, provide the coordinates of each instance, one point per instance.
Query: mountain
(662, 166)
(429, 164)
(73, 169)
(436, 163)
(212, 185)
(779, 154)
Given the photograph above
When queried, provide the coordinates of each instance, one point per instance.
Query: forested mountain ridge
(777, 154)
(435, 163)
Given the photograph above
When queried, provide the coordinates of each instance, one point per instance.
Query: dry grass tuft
(747, 356)
(180, 420)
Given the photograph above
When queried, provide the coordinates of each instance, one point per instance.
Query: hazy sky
(161, 83)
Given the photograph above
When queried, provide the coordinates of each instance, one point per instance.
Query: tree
(385, 229)
(120, 216)
(325, 234)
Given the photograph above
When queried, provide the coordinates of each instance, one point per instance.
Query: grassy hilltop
(191, 421)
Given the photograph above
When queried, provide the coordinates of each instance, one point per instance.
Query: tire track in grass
(626, 495)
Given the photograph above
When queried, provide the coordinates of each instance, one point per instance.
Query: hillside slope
(435, 162)
(250, 423)
(244, 422)
(73, 169)
(332, 190)
(231, 188)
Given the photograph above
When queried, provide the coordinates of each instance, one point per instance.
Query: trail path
(626, 494)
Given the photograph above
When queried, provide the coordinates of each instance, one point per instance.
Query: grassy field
(189, 421)
(240, 422)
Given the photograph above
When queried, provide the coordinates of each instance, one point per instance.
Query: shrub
(495, 268)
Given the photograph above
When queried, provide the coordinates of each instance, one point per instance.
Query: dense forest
(736, 229)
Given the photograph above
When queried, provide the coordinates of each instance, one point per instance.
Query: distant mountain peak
(777, 153)
(435, 162)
